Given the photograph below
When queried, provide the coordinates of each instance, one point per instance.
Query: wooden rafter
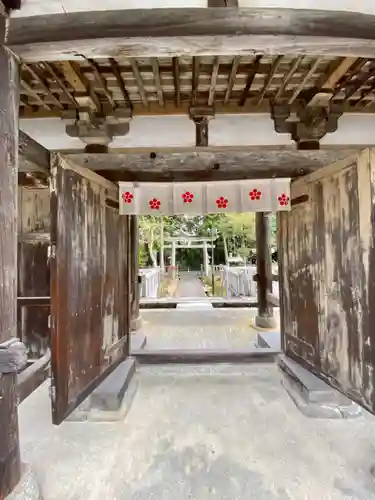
(306, 78)
(232, 77)
(195, 80)
(296, 64)
(102, 82)
(60, 83)
(329, 81)
(250, 78)
(156, 72)
(268, 80)
(29, 90)
(214, 75)
(120, 82)
(76, 80)
(139, 80)
(176, 81)
(359, 80)
(34, 72)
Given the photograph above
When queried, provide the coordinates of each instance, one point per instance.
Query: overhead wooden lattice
(171, 84)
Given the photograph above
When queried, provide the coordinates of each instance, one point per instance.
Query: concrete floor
(194, 328)
(201, 433)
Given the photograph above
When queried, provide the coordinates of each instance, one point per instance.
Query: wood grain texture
(192, 31)
(32, 155)
(33, 269)
(89, 285)
(327, 277)
(207, 164)
(264, 264)
(9, 101)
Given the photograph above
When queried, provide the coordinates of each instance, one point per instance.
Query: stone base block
(135, 324)
(267, 322)
(138, 341)
(110, 400)
(269, 339)
(27, 488)
(314, 397)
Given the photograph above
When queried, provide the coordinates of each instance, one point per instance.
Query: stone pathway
(190, 285)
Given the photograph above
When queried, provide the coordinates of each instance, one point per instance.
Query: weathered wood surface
(134, 254)
(10, 454)
(192, 31)
(33, 269)
(264, 264)
(89, 284)
(33, 376)
(205, 356)
(32, 155)
(328, 276)
(207, 165)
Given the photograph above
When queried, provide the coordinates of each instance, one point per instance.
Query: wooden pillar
(265, 318)
(10, 468)
(134, 235)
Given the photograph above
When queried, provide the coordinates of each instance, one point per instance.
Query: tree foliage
(236, 231)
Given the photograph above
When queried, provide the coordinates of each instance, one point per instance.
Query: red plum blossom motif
(255, 194)
(154, 204)
(127, 197)
(187, 197)
(283, 200)
(222, 202)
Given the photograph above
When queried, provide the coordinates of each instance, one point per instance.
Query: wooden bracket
(13, 356)
(201, 115)
(95, 130)
(310, 124)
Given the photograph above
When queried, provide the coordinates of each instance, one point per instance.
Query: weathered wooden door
(327, 274)
(90, 278)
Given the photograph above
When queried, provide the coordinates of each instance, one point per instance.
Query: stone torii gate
(206, 91)
(183, 241)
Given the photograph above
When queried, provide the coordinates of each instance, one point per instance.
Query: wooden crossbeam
(33, 156)
(186, 31)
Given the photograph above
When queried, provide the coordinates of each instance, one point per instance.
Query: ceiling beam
(104, 34)
(33, 157)
(207, 165)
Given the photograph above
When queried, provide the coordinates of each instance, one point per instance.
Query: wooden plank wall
(90, 302)
(33, 267)
(327, 266)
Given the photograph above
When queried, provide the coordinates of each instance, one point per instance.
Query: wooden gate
(327, 268)
(90, 275)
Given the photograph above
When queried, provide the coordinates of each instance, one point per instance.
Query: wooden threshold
(205, 356)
